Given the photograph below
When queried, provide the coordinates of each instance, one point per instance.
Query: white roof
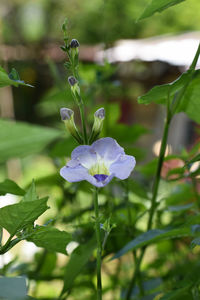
(177, 50)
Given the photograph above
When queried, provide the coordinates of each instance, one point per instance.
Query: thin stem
(170, 114)
(81, 108)
(153, 202)
(99, 247)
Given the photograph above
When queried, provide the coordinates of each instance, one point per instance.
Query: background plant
(162, 222)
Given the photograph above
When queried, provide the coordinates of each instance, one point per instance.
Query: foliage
(147, 226)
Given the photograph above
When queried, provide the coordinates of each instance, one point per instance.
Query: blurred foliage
(170, 268)
(34, 21)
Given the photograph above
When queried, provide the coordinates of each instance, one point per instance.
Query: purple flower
(98, 163)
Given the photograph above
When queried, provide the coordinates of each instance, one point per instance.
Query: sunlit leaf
(31, 193)
(50, 238)
(158, 6)
(11, 79)
(16, 216)
(21, 139)
(9, 186)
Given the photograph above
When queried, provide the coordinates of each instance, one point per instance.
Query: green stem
(170, 114)
(85, 138)
(99, 247)
(153, 202)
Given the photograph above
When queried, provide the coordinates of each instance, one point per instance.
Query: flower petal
(108, 149)
(78, 173)
(84, 156)
(123, 167)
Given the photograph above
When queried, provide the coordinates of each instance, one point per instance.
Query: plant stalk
(170, 113)
(81, 109)
(99, 247)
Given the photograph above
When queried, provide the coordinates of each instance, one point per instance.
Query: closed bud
(72, 80)
(74, 43)
(100, 113)
(67, 116)
(99, 117)
(75, 89)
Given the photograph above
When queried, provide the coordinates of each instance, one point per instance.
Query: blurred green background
(30, 40)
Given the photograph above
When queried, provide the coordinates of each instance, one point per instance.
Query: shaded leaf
(16, 216)
(158, 6)
(50, 238)
(159, 93)
(153, 236)
(78, 260)
(190, 103)
(9, 186)
(179, 294)
(24, 139)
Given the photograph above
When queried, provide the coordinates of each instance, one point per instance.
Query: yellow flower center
(99, 168)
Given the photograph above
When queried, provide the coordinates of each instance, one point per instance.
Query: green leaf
(50, 238)
(153, 236)
(196, 158)
(157, 6)
(179, 294)
(124, 133)
(11, 79)
(16, 216)
(159, 93)
(31, 193)
(190, 103)
(78, 260)
(180, 208)
(13, 288)
(9, 186)
(21, 139)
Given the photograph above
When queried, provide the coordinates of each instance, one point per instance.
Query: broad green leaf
(11, 79)
(158, 6)
(190, 103)
(16, 216)
(50, 238)
(78, 260)
(159, 93)
(9, 186)
(153, 236)
(31, 193)
(21, 139)
(13, 288)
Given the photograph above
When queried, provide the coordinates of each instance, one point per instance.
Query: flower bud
(99, 117)
(66, 113)
(72, 80)
(67, 116)
(75, 89)
(74, 43)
